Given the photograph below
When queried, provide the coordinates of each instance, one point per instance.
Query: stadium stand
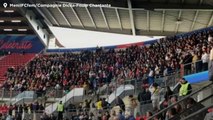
(13, 60)
(91, 70)
(149, 80)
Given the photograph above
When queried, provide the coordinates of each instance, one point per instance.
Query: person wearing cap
(60, 110)
(185, 87)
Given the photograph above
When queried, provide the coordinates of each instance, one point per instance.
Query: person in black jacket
(167, 97)
(119, 102)
(144, 97)
(168, 93)
(187, 60)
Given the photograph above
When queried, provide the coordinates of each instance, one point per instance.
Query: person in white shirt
(205, 59)
(157, 70)
(151, 76)
(155, 95)
(210, 38)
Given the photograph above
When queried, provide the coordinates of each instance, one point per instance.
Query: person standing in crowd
(99, 105)
(167, 97)
(194, 60)
(119, 102)
(60, 110)
(151, 76)
(86, 105)
(171, 114)
(187, 61)
(198, 63)
(211, 63)
(105, 104)
(120, 115)
(185, 87)
(168, 93)
(144, 97)
(174, 100)
(148, 115)
(155, 95)
(205, 59)
(209, 115)
(130, 104)
(112, 115)
(106, 116)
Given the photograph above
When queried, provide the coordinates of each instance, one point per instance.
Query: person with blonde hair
(155, 95)
(112, 115)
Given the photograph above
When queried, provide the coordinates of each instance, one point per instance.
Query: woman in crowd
(167, 96)
(155, 92)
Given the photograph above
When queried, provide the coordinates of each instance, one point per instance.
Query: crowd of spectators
(93, 69)
(16, 111)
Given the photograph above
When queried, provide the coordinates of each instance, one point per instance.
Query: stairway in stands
(13, 60)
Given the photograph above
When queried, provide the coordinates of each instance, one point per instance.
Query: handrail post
(54, 91)
(181, 70)
(135, 86)
(2, 96)
(11, 94)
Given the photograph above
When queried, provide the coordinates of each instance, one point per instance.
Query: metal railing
(10, 95)
(163, 81)
(182, 100)
(195, 107)
(192, 68)
(195, 115)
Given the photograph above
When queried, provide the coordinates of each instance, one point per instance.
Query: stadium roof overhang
(133, 17)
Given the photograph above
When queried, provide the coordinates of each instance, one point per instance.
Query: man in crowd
(211, 63)
(60, 109)
(185, 87)
(144, 97)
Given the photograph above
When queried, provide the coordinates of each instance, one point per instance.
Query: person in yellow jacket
(60, 110)
(99, 104)
(185, 87)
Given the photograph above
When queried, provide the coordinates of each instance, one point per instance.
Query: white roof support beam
(76, 15)
(148, 20)
(105, 20)
(50, 14)
(119, 19)
(131, 17)
(90, 16)
(195, 17)
(210, 21)
(65, 18)
(163, 20)
(177, 23)
(179, 18)
(194, 20)
(45, 17)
